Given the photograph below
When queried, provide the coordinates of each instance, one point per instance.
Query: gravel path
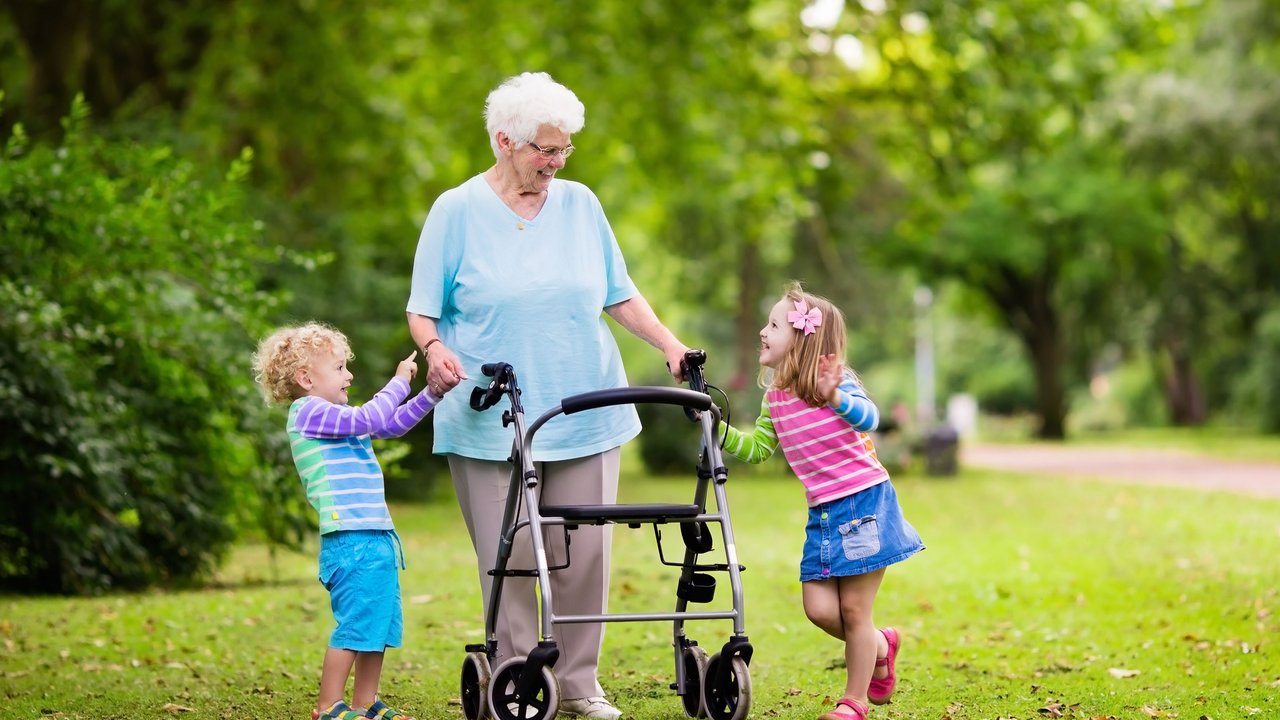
(1128, 465)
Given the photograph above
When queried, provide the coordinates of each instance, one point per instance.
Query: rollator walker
(525, 687)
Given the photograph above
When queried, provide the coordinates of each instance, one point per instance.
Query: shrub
(133, 440)
(1257, 391)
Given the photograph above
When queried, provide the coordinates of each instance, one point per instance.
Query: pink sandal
(881, 689)
(856, 711)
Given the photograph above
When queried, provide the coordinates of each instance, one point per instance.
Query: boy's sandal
(337, 711)
(382, 711)
(881, 689)
(851, 710)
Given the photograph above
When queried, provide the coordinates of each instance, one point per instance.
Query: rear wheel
(727, 698)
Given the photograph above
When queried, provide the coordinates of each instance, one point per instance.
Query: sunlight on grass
(1112, 600)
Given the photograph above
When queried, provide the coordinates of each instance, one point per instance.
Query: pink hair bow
(804, 317)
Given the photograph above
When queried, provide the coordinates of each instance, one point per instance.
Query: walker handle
(631, 395)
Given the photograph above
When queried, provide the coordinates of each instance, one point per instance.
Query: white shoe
(593, 708)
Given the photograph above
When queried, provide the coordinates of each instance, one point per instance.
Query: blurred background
(1041, 219)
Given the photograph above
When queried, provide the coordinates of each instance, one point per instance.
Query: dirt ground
(1139, 466)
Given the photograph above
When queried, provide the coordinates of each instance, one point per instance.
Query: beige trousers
(580, 589)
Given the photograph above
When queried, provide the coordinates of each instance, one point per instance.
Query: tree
(1201, 120)
(986, 116)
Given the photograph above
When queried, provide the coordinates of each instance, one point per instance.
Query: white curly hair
(525, 102)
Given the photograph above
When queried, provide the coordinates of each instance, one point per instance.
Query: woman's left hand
(675, 356)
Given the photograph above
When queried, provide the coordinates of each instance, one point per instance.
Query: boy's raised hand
(407, 368)
(830, 372)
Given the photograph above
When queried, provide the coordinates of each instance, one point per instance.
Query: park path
(1143, 466)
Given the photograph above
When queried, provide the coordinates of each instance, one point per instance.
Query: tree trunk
(55, 39)
(1183, 394)
(1046, 356)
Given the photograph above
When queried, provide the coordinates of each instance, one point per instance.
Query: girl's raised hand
(407, 368)
(830, 372)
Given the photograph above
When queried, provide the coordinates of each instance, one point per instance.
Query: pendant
(519, 226)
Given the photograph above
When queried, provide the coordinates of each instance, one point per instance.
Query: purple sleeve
(322, 419)
(408, 415)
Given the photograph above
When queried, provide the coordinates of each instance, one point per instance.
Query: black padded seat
(600, 514)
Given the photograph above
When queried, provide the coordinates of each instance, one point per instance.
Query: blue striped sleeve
(855, 407)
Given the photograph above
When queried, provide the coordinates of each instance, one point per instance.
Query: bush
(134, 443)
(1257, 391)
(669, 443)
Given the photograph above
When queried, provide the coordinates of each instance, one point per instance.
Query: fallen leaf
(175, 708)
(1123, 673)
(1053, 710)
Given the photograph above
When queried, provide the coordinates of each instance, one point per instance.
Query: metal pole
(925, 403)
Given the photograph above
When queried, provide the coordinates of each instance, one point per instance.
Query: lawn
(1035, 599)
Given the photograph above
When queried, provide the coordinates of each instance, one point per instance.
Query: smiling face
(327, 377)
(533, 172)
(777, 335)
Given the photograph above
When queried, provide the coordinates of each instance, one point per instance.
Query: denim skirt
(857, 534)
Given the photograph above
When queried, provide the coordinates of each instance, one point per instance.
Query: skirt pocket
(860, 538)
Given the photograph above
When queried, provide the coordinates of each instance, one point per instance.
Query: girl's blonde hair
(284, 352)
(798, 371)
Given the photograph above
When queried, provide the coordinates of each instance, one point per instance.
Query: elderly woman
(515, 265)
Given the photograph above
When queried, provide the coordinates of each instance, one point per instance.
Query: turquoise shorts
(359, 568)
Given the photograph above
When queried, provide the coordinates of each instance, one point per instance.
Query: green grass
(1225, 443)
(1031, 594)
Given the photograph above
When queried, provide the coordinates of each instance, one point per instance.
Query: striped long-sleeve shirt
(827, 447)
(333, 451)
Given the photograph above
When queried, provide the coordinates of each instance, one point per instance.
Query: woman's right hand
(444, 370)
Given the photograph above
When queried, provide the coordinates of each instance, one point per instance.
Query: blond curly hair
(798, 371)
(284, 352)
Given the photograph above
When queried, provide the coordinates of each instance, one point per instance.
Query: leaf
(1123, 673)
(1053, 710)
(174, 708)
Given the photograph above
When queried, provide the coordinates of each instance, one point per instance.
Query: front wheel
(504, 701)
(475, 686)
(728, 698)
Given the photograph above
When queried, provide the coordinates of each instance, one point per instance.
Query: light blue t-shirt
(530, 293)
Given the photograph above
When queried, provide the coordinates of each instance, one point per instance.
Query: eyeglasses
(551, 152)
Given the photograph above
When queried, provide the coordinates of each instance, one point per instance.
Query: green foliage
(1258, 388)
(669, 442)
(134, 443)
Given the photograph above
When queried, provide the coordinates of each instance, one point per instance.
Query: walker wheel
(505, 702)
(475, 686)
(728, 698)
(695, 678)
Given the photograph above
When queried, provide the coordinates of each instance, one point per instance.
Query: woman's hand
(444, 370)
(830, 373)
(675, 356)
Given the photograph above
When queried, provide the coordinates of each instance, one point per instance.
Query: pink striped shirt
(831, 458)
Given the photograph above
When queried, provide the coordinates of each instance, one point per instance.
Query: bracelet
(429, 343)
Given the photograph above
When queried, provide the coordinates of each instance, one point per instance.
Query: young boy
(306, 366)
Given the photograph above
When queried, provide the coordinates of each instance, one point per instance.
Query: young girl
(307, 367)
(819, 413)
